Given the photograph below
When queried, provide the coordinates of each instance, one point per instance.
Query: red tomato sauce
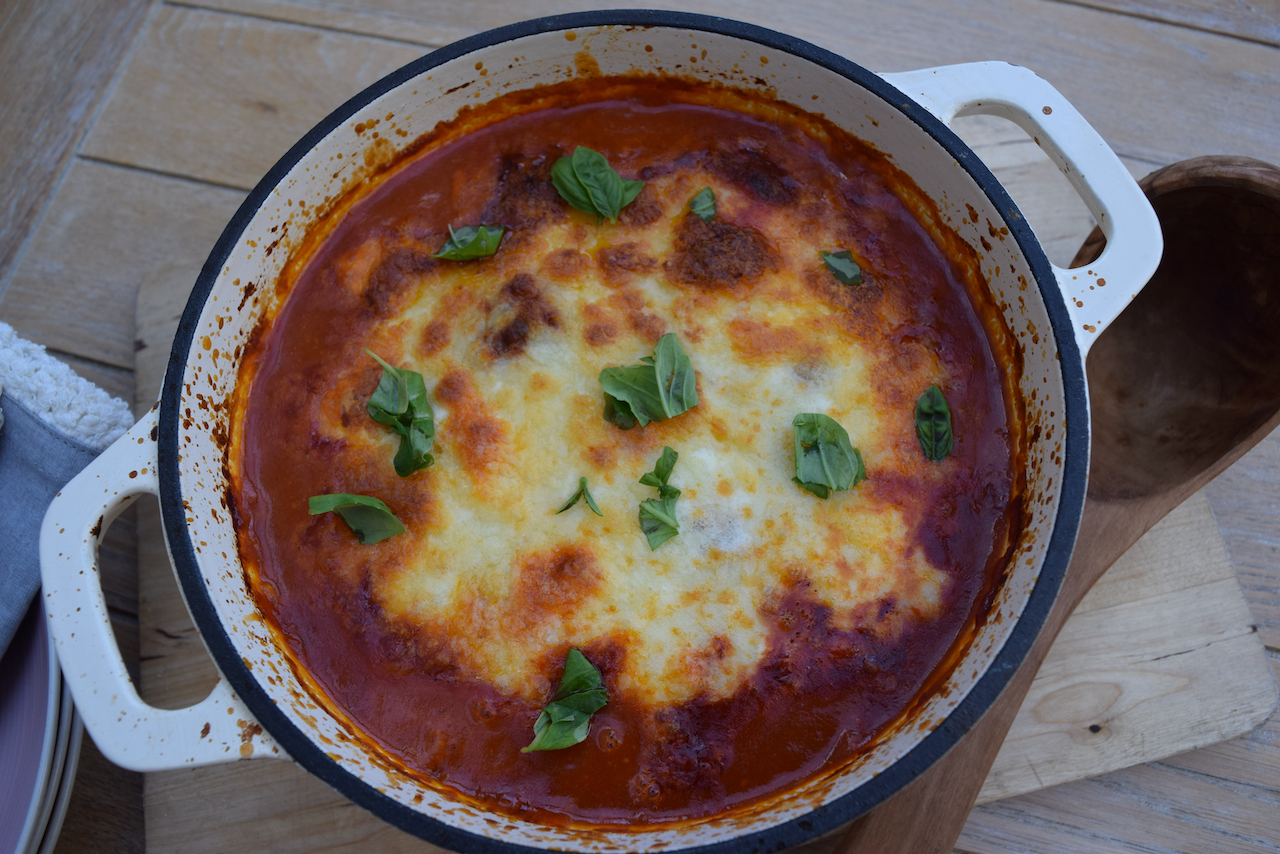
(821, 695)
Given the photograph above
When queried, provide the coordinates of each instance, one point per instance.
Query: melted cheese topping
(777, 633)
(515, 431)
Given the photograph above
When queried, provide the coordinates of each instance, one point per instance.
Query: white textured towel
(57, 395)
(54, 423)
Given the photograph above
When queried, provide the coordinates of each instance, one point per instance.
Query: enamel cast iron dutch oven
(175, 451)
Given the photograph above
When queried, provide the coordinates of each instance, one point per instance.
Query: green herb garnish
(825, 459)
(658, 515)
(843, 266)
(587, 182)
(933, 424)
(368, 518)
(400, 401)
(703, 205)
(662, 387)
(582, 492)
(470, 242)
(566, 720)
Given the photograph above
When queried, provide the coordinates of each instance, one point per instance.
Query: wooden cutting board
(1162, 657)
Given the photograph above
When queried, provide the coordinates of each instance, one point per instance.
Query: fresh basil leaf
(582, 492)
(400, 401)
(703, 205)
(414, 452)
(566, 720)
(579, 675)
(369, 518)
(658, 515)
(662, 386)
(677, 383)
(470, 242)
(658, 519)
(661, 470)
(587, 182)
(933, 424)
(618, 412)
(390, 399)
(558, 727)
(843, 266)
(633, 393)
(569, 187)
(825, 458)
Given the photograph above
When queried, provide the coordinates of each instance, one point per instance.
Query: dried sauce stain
(248, 729)
(585, 64)
(249, 290)
(718, 254)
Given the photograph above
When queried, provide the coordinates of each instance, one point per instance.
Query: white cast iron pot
(174, 451)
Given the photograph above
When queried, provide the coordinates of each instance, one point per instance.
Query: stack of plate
(40, 735)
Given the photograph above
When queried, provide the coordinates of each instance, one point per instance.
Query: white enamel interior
(415, 107)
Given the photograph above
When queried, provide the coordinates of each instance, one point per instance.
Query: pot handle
(126, 729)
(1097, 293)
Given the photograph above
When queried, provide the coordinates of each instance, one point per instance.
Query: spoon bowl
(1192, 366)
(1181, 385)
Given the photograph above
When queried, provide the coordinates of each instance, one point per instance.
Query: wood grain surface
(198, 110)
(65, 53)
(1258, 20)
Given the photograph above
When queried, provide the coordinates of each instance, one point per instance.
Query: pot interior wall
(362, 136)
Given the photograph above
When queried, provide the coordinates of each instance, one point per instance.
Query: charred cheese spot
(754, 340)
(396, 277)
(718, 254)
(565, 265)
(522, 309)
(602, 457)
(621, 263)
(645, 210)
(525, 199)
(549, 584)
(647, 325)
(754, 173)
(435, 337)
(599, 327)
(474, 431)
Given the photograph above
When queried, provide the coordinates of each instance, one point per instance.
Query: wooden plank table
(129, 132)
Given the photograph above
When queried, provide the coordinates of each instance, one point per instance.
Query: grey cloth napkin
(53, 422)
(35, 462)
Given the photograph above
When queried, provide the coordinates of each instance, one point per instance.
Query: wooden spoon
(1181, 385)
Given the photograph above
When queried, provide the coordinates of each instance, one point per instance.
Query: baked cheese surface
(770, 604)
